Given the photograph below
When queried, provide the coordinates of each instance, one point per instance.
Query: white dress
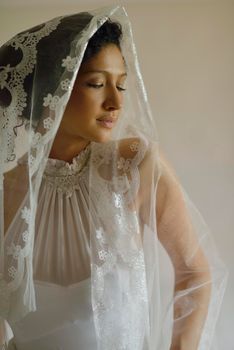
(63, 247)
(63, 320)
(62, 266)
(64, 317)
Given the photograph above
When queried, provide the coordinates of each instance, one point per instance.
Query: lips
(107, 122)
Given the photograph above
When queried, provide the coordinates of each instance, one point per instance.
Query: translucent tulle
(110, 244)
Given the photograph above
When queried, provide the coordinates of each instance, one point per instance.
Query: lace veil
(146, 236)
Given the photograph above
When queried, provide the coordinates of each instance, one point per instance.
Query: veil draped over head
(152, 262)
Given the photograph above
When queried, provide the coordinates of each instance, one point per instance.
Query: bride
(94, 218)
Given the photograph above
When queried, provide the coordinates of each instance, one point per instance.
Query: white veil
(145, 218)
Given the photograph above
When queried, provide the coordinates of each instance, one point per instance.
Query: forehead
(108, 59)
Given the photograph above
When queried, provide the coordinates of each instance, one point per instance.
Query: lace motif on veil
(11, 79)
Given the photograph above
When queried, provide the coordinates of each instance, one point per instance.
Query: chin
(102, 138)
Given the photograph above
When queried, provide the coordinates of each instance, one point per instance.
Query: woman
(92, 209)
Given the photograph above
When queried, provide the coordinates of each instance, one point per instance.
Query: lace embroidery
(4, 75)
(65, 177)
(36, 138)
(48, 123)
(14, 250)
(51, 102)
(15, 270)
(25, 214)
(116, 246)
(12, 272)
(100, 235)
(69, 63)
(65, 84)
(124, 164)
(25, 236)
(119, 256)
(126, 179)
(134, 147)
(11, 78)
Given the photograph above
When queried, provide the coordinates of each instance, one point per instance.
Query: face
(97, 97)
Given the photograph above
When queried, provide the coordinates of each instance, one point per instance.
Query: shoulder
(131, 148)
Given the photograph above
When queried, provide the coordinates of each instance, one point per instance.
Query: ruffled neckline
(59, 167)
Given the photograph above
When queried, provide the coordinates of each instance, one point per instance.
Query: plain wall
(186, 53)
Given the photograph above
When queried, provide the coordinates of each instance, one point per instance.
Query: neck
(65, 147)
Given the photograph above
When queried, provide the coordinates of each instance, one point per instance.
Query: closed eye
(120, 88)
(96, 86)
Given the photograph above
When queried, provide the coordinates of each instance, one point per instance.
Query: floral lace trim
(12, 78)
(65, 177)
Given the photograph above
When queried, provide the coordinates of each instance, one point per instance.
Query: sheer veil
(152, 257)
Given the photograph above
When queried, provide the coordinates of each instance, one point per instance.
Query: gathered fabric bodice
(65, 177)
(61, 263)
(62, 234)
(67, 218)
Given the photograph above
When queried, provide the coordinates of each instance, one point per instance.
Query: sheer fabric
(63, 319)
(114, 228)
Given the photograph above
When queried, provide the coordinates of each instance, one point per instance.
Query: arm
(192, 275)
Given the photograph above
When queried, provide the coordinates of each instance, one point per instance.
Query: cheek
(84, 106)
(87, 102)
(91, 95)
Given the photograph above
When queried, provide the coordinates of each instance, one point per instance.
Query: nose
(113, 99)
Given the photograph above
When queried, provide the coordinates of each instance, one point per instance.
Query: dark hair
(51, 50)
(109, 33)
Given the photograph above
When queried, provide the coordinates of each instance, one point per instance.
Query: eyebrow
(103, 72)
